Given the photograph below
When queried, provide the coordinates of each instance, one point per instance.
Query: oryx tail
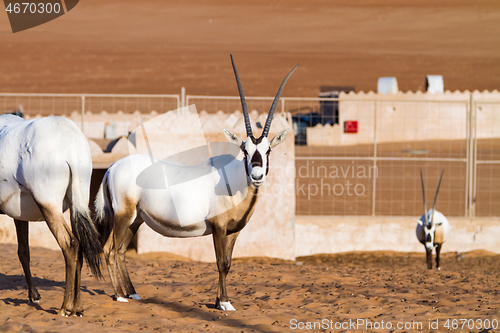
(83, 227)
(103, 215)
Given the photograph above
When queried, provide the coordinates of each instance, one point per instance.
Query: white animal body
(45, 169)
(216, 197)
(433, 228)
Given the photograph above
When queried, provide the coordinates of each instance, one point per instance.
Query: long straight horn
(423, 194)
(436, 196)
(248, 125)
(269, 119)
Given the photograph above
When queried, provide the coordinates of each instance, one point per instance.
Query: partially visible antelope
(45, 169)
(215, 197)
(433, 228)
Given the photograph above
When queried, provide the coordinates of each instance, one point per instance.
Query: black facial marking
(267, 160)
(245, 153)
(256, 141)
(256, 159)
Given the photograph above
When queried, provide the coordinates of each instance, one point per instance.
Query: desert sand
(270, 295)
(160, 46)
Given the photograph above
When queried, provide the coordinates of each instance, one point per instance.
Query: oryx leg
(23, 252)
(110, 257)
(429, 257)
(70, 249)
(123, 236)
(438, 252)
(224, 245)
(114, 250)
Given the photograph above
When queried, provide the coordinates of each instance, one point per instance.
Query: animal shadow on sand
(18, 282)
(199, 312)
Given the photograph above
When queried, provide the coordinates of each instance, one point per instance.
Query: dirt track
(270, 295)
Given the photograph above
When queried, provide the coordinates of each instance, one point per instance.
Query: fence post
(374, 189)
(83, 110)
(183, 97)
(471, 160)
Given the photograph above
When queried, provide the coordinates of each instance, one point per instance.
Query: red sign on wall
(351, 126)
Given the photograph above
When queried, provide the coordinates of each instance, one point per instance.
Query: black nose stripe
(256, 160)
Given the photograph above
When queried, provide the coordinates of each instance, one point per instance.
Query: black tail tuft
(103, 223)
(103, 216)
(90, 242)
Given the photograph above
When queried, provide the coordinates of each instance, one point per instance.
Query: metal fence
(377, 170)
(373, 172)
(485, 160)
(213, 104)
(68, 104)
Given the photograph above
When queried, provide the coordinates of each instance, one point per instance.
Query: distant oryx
(432, 228)
(214, 200)
(45, 169)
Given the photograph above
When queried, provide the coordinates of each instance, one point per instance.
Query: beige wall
(39, 233)
(270, 230)
(408, 117)
(310, 235)
(317, 234)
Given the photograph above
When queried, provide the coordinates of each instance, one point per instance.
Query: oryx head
(256, 150)
(427, 220)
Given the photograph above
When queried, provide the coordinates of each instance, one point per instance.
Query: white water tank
(434, 84)
(387, 85)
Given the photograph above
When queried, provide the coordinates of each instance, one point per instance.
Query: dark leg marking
(23, 252)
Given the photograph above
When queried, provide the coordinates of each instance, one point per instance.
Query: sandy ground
(270, 295)
(160, 46)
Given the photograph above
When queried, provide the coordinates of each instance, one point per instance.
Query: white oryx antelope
(45, 169)
(433, 228)
(215, 197)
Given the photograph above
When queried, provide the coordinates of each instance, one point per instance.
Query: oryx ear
(233, 138)
(419, 221)
(279, 138)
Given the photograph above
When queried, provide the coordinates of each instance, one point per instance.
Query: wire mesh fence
(393, 140)
(131, 103)
(486, 158)
(99, 116)
(41, 104)
(111, 116)
(362, 155)
(355, 155)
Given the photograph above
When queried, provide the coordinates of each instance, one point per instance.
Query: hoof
(122, 299)
(134, 296)
(225, 306)
(64, 313)
(438, 268)
(35, 299)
